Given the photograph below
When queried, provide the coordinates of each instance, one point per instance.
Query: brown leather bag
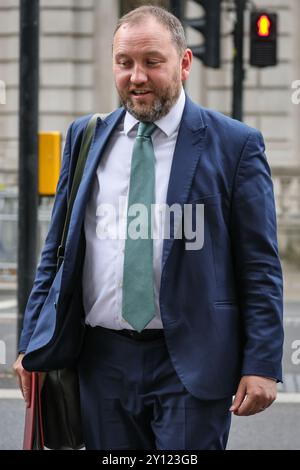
(33, 430)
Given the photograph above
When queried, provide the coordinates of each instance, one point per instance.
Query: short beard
(158, 110)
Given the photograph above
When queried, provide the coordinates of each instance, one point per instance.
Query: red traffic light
(263, 26)
(263, 38)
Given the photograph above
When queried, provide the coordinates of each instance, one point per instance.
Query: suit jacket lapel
(186, 156)
(103, 130)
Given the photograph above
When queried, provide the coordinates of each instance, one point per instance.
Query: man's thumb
(239, 398)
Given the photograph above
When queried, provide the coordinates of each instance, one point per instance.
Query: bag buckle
(60, 255)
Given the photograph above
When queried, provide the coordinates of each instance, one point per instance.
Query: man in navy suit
(216, 329)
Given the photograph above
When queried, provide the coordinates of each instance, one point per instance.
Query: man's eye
(124, 63)
(153, 62)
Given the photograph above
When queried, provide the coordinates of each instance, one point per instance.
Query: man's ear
(186, 64)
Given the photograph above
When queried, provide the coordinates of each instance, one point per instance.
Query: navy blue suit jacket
(221, 306)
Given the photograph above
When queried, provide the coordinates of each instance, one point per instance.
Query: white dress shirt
(104, 257)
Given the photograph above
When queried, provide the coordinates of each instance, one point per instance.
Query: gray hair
(164, 17)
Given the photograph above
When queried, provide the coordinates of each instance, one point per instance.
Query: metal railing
(287, 192)
(9, 230)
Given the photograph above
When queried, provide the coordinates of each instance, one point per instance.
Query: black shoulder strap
(83, 153)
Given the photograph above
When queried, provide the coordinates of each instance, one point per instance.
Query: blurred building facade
(76, 79)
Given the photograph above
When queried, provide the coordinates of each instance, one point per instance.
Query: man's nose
(138, 75)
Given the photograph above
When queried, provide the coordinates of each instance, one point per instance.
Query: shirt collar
(167, 124)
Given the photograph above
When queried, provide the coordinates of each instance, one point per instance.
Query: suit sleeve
(256, 262)
(47, 266)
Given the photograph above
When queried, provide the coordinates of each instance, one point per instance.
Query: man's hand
(24, 378)
(254, 395)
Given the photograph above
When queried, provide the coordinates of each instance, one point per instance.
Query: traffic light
(49, 162)
(208, 25)
(263, 39)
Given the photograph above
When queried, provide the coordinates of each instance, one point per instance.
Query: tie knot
(146, 129)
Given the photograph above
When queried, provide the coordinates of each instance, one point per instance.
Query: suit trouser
(131, 398)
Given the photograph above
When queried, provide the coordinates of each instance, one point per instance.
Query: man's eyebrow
(120, 55)
(154, 52)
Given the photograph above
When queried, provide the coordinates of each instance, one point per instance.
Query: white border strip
(288, 398)
(14, 393)
(8, 316)
(10, 303)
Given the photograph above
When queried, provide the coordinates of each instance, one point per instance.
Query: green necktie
(138, 306)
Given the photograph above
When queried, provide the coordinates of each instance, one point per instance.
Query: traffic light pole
(28, 151)
(177, 8)
(238, 61)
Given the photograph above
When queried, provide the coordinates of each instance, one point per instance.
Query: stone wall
(75, 68)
